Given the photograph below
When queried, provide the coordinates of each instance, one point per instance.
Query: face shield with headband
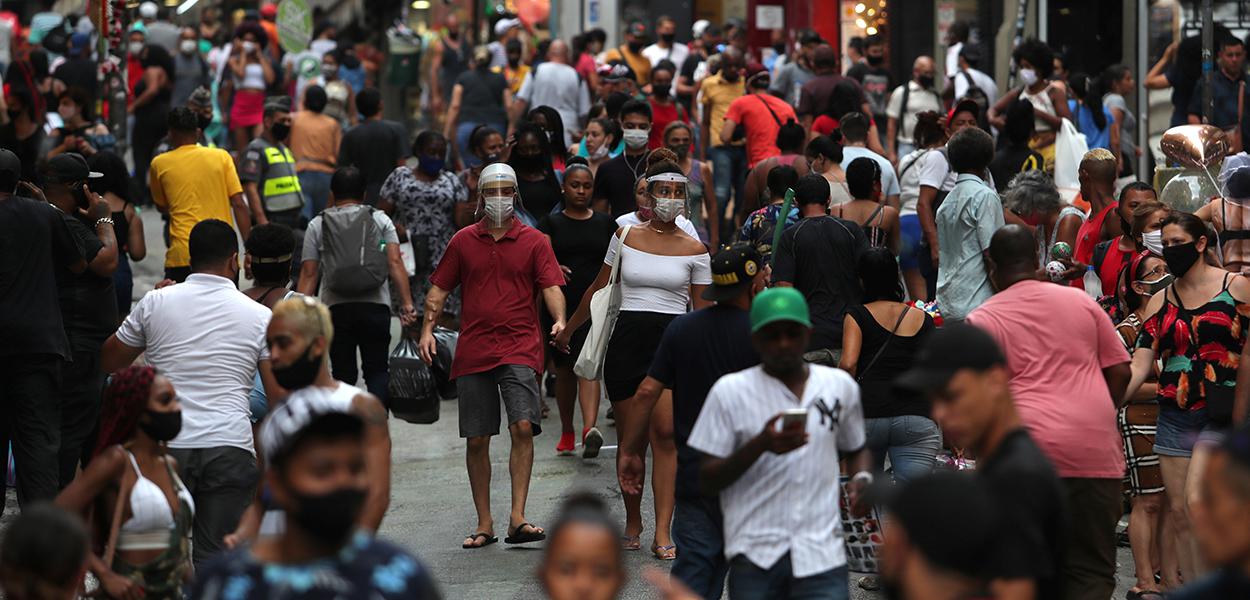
(497, 188)
(668, 192)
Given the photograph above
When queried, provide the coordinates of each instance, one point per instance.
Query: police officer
(268, 170)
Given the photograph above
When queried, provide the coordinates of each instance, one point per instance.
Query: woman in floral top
(423, 201)
(762, 224)
(1197, 326)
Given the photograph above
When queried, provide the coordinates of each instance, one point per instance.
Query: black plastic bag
(412, 390)
(446, 341)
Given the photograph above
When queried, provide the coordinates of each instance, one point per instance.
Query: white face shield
(497, 193)
(669, 192)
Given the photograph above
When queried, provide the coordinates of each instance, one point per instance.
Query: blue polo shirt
(1224, 89)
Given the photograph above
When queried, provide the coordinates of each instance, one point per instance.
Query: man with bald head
(1097, 175)
(556, 84)
(918, 95)
(1069, 371)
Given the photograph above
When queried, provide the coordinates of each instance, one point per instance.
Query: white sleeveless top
(253, 77)
(1041, 101)
(151, 517)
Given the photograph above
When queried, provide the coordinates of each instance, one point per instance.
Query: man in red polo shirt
(503, 265)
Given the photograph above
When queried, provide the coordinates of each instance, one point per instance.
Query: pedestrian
(586, 47)
(376, 146)
(21, 124)
(78, 133)
(190, 69)
(786, 468)
(270, 252)
(970, 82)
(1097, 173)
(666, 47)
(192, 183)
(251, 74)
(791, 140)
(937, 180)
(1117, 81)
(614, 181)
(966, 376)
(556, 84)
(44, 555)
(761, 115)
(817, 257)
(515, 69)
(701, 196)
(538, 186)
(1034, 62)
(78, 69)
(1112, 256)
(760, 226)
(487, 144)
(818, 92)
(130, 467)
(915, 96)
(694, 69)
(662, 272)
(1014, 154)
(549, 121)
(929, 136)
(503, 265)
(965, 221)
(478, 97)
(1230, 220)
(41, 244)
(1222, 524)
(267, 170)
(315, 140)
(630, 52)
(1226, 93)
(356, 288)
(664, 107)
(1091, 118)
(160, 31)
(88, 304)
(880, 338)
(857, 135)
(150, 106)
(340, 96)
(450, 56)
(507, 29)
(1033, 197)
(729, 159)
(1194, 394)
(317, 453)
(200, 103)
(601, 143)
(583, 560)
(881, 225)
(580, 237)
(1068, 402)
(209, 340)
(114, 186)
(788, 79)
(824, 157)
(644, 202)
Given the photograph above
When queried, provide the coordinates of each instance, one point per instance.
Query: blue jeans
(700, 563)
(316, 188)
(749, 582)
(911, 441)
(463, 131)
(729, 172)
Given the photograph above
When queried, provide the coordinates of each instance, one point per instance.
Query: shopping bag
(605, 305)
(445, 340)
(1070, 148)
(412, 392)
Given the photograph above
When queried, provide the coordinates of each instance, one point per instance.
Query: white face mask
(249, 46)
(499, 209)
(599, 152)
(636, 138)
(1153, 241)
(667, 210)
(187, 46)
(1028, 77)
(135, 47)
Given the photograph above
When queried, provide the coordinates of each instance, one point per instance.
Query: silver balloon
(1197, 146)
(1188, 191)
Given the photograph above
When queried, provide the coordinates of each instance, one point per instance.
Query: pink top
(1057, 341)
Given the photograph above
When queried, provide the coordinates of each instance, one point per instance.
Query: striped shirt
(784, 502)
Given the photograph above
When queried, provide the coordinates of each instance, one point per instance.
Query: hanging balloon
(533, 11)
(1197, 146)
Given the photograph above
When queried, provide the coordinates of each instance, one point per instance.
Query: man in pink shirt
(1068, 371)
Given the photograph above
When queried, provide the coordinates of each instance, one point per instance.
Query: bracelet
(863, 476)
(108, 220)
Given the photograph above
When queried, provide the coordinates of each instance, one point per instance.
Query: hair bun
(660, 155)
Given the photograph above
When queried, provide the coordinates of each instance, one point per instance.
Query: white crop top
(253, 77)
(151, 517)
(658, 283)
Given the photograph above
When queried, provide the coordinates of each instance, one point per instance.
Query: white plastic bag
(605, 305)
(1070, 148)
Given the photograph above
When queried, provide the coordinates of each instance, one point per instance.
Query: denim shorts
(1178, 430)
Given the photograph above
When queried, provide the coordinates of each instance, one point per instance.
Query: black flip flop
(520, 536)
(490, 539)
(1147, 595)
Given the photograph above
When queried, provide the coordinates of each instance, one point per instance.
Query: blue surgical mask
(430, 166)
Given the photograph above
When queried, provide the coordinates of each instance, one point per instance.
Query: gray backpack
(353, 259)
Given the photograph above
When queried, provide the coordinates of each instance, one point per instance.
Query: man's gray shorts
(480, 394)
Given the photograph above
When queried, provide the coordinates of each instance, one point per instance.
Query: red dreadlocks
(124, 402)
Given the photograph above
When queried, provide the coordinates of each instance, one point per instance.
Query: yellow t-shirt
(718, 94)
(639, 63)
(192, 183)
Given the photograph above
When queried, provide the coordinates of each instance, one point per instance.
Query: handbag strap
(901, 315)
(615, 277)
(129, 478)
(770, 109)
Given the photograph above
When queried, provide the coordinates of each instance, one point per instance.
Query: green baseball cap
(779, 304)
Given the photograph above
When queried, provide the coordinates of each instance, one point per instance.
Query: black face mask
(635, 47)
(300, 373)
(529, 164)
(783, 365)
(280, 131)
(1181, 258)
(731, 75)
(779, 49)
(668, 38)
(351, 62)
(329, 518)
(925, 81)
(162, 426)
(453, 35)
(514, 62)
(203, 121)
(876, 61)
(661, 91)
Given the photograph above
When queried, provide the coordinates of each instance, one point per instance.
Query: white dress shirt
(784, 502)
(207, 338)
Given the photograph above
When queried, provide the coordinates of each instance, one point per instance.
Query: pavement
(431, 509)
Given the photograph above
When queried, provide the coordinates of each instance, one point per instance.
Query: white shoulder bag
(605, 305)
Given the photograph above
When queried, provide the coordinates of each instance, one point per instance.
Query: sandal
(668, 552)
(471, 542)
(631, 542)
(520, 536)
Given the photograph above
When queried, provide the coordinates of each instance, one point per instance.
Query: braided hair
(125, 401)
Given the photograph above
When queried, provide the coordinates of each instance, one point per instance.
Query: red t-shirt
(1112, 263)
(661, 116)
(1087, 237)
(752, 110)
(501, 280)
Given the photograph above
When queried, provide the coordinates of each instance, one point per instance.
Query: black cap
(950, 518)
(948, 350)
(68, 167)
(733, 269)
(9, 162)
(810, 37)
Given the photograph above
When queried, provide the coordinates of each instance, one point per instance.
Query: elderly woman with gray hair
(1033, 197)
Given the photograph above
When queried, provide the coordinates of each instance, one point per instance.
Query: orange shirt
(315, 141)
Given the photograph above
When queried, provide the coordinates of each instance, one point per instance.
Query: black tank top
(455, 62)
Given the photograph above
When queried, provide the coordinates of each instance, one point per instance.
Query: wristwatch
(108, 220)
(863, 477)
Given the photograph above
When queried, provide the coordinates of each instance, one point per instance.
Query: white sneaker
(591, 443)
